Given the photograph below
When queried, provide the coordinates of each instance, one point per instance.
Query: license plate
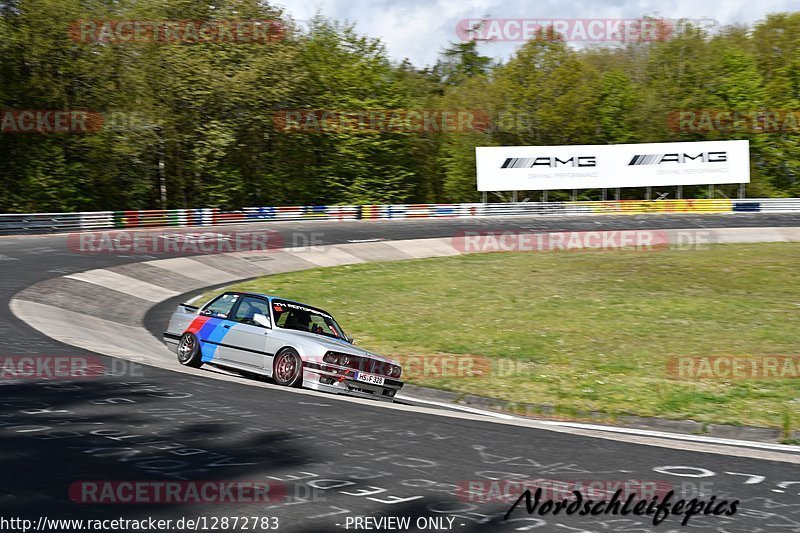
(369, 378)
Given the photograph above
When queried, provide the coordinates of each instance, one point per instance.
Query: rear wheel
(189, 351)
(287, 370)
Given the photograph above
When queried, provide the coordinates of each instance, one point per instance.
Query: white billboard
(533, 168)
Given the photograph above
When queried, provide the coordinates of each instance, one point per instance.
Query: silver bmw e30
(295, 344)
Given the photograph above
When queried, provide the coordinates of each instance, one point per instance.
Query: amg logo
(532, 162)
(657, 159)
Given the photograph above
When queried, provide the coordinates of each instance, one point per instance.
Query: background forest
(192, 125)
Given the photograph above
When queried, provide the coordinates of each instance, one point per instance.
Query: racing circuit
(338, 457)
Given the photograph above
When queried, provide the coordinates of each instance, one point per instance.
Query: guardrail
(98, 220)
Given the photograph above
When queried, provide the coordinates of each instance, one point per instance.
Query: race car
(295, 344)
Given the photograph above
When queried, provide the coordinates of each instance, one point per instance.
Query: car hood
(335, 345)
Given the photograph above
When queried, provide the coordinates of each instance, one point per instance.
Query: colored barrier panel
(89, 221)
(747, 207)
(638, 207)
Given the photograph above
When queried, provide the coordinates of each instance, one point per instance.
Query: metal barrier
(98, 220)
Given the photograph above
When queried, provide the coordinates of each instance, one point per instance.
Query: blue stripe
(214, 332)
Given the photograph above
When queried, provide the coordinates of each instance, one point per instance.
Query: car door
(247, 336)
(213, 324)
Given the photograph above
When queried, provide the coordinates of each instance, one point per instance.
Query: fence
(73, 222)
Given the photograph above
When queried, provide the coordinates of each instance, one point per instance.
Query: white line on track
(458, 408)
(678, 436)
(615, 429)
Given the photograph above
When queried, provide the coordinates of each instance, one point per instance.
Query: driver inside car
(299, 320)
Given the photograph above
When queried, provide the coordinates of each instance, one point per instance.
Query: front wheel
(287, 370)
(189, 351)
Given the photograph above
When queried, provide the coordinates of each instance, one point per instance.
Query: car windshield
(289, 315)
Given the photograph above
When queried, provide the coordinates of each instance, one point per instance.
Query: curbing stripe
(324, 256)
(423, 248)
(125, 284)
(190, 268)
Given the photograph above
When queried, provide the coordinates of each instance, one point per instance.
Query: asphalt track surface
(336, 459)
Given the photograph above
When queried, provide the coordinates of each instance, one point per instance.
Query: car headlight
(330, 357)
(396, 371)
(344, 359)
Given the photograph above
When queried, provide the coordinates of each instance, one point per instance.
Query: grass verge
(586, 331)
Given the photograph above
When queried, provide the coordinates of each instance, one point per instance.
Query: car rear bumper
(171, 340)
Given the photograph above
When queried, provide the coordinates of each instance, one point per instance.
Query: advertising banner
(532, 168)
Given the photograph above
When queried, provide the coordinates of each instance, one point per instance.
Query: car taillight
(330, 357)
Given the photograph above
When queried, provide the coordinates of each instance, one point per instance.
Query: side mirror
(352, 341)
(262, 320)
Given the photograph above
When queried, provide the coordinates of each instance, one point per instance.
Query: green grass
(590, 331)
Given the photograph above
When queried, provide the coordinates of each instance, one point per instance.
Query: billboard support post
(711, 192)
(603, 194)
(484, 197)
(514, 196)
(574, 195)
(616, 194)
(742, 194)
(679, 194)
(649, 194)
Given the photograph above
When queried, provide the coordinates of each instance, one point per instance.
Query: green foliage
(199, 119)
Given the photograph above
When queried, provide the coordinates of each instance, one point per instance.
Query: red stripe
(196, 324)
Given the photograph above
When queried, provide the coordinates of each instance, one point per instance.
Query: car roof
(271, 297)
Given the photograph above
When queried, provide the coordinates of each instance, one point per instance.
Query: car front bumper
(339, 380)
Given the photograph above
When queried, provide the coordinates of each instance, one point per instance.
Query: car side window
(318, 325)
(221, 307)
(249, 308)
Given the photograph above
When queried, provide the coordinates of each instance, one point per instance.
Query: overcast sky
(420, 29)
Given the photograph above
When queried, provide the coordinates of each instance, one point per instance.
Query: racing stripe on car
(207, 329)
(196, 324)
(212, 337)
